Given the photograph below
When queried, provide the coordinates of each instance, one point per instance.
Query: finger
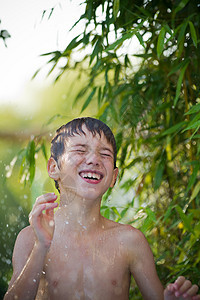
(37, 211)
(50, 212)
(179, 282)
(46, 198)
(192, 291)
(170, 288)
(197, 297)
(183, 288)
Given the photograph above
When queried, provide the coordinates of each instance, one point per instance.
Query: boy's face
(87, 165)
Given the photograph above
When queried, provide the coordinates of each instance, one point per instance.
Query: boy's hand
(181, 289)
(43, 223)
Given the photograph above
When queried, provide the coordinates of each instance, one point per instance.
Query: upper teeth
(91, 175)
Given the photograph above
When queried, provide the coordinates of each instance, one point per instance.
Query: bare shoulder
(22, 249)
(25, 239)
(129, 235)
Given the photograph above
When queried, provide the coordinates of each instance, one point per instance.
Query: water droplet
(51, 223)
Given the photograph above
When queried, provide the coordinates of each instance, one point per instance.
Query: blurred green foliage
(141, 72)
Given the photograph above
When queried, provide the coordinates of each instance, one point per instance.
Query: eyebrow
(79, 145)
(106, 149)
(101, 148)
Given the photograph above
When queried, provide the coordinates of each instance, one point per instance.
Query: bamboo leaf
(124, 37)
(98, 48)
(114, 209)
(181, 5)
(193, 33)
(179, 83)
(193, 109)
(176, 128)
(193, 177)
(102, 109)
(116, 8)
(43, 147)
(184, 218)
(195, 191)
(178, 67)
(158, 175)
(161, 41)
(181, 36)
(30, 156)
(194, 125)
(88, 100)
(73, 44)
(140, 39)
(151, 214)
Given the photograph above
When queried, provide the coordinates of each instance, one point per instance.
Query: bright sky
(30, 37)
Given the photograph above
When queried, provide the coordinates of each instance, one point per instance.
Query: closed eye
(80, 151)
(106, 154)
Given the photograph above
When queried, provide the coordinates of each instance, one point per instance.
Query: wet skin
(76, 253)
(87, 266)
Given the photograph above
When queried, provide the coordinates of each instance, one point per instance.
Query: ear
(52, 168)
(115, 173)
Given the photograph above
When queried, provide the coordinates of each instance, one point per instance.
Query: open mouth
(91, 176)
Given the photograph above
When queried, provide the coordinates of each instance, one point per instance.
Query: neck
(79, 213)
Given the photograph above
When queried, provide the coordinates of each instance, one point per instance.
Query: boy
(76, 253)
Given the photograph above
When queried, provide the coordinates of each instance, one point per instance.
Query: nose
(93, 158)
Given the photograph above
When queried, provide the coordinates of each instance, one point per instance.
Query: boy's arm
(30, 250)
(142, 267)
(144, 271)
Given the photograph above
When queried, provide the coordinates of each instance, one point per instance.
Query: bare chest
(86, 268)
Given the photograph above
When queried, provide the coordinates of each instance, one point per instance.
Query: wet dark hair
(93, 125)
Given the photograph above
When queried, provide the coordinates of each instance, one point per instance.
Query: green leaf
(193, 34)
(30, 156)
(144, 11)
(116, 8)
(159, 174)
(124, 211)
(193, 109)
(73, 44)
(151, 214)
(181, 5)
(140, 39)
(184, 218)
(106, 213)
(98, 48)
(161, 40)
(52, 119)
(119, 138)
(102, 109)
(192, 126)
(124, 37)
(114, 209)
(43, 147)
(193, 177)
(178, 67)
(179, 83)
(176, 128)
(195, 191)
(193, 121)
(88, 100)
(181, 36)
